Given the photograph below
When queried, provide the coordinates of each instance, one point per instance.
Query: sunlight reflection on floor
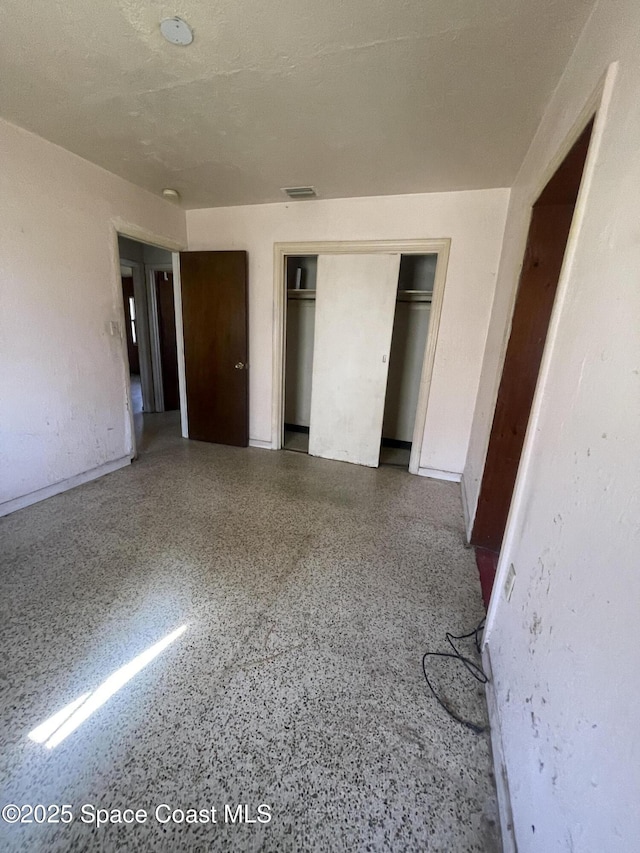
(54, 730)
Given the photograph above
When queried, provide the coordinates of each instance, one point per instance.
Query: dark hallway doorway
(163, 282)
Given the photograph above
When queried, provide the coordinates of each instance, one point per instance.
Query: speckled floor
(309, 590)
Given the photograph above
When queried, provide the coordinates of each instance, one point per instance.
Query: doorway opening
(551, 218)
(146, 273)
(163, 316)
(301, 277)
(412, 329)
(408, 343)
(131, 334)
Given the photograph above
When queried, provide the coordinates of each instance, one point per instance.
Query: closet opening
(335, 305)
(301, 273)
(408, 342)
(411, 316)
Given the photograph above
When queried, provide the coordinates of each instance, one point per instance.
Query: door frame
(144, 339)
(120, 228)
(596, 108)
(440, 247)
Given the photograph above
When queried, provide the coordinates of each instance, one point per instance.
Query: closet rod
(414, 296)
(301, 294)
(403, 295)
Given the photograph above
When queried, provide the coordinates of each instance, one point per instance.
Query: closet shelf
(301, 294)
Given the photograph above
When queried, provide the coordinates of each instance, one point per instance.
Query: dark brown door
(130, 324)
(546, 244)
(214, 311)
(167, 335)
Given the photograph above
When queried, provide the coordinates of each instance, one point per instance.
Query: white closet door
(355, 304)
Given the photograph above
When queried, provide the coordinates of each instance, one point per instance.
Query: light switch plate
(509, 582)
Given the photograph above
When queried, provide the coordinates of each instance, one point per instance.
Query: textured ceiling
(359, 97)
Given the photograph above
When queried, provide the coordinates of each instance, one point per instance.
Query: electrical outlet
(509, 582)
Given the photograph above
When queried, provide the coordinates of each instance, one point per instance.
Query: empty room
(320, 426)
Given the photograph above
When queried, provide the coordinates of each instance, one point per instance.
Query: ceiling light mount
(176, 31)
(170, 194)
(300, 192)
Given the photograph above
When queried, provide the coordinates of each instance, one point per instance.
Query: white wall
(565, 650)
(473, 220)
(64, 407)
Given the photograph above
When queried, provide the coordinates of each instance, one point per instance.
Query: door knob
(240, 365)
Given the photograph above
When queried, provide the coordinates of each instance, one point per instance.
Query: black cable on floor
(475, 669)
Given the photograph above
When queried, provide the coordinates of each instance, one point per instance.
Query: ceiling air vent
(300, 192)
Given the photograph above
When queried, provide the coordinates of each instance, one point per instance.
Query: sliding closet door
(355, 305)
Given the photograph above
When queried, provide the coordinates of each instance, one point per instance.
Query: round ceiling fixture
(170, 194)
(176, 31)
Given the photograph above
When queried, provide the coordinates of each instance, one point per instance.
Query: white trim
(598, 103)
(465, 508)
(439, 247)
(118, 300)
(264, 445)
(507, 829)
(435, 474)
(435, 313)
(64, 485)
(182, 376)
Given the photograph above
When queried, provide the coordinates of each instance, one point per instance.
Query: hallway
(309, 590)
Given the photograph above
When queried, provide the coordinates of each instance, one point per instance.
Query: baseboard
(256, 442)
(439, 475)
(465, 508)
(64, 485)
(509, 844)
